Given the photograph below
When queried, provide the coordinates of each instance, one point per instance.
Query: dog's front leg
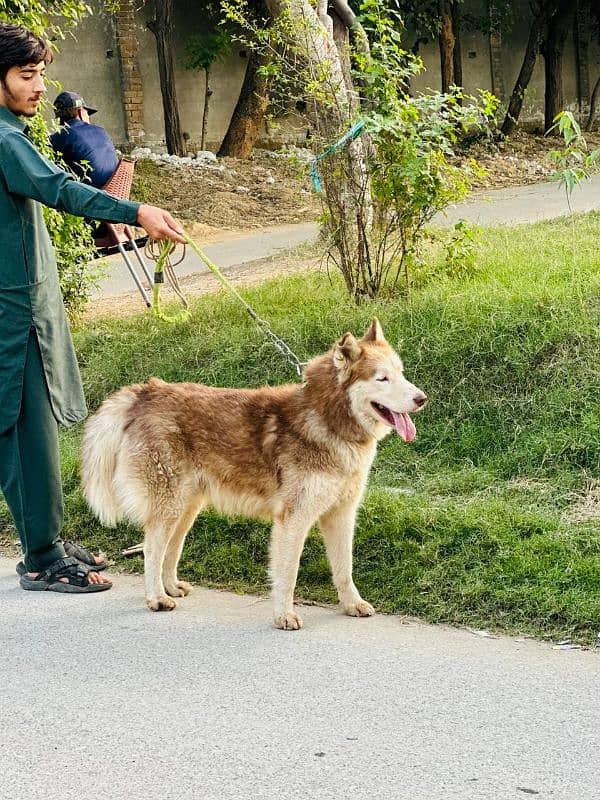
(337, 529)
(287, 540)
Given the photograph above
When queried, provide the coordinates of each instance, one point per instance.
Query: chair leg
(143, 265)
(135, 276)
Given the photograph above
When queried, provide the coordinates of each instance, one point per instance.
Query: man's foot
(67, 575)
(82, 554)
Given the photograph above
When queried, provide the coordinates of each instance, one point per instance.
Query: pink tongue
(405, 427)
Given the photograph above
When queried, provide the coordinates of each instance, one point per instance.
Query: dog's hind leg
(287, 540)
(173, 586)
(337, 529)
(158, 533)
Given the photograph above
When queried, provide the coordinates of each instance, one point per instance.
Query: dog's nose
(420, 399)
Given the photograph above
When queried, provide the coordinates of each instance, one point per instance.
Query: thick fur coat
(158, 453)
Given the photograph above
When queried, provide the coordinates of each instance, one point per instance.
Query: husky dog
(158, 453)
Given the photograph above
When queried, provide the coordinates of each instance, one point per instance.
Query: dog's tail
(101, 449)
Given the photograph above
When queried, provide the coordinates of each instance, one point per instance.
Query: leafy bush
(383, 156)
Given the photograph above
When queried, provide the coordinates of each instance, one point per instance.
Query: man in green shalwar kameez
(40, 384)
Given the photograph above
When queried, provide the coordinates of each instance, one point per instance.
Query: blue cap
(67, 100)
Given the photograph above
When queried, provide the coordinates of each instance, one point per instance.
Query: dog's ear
(375, 332)
(346, 350)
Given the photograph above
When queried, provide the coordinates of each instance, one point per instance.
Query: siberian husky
(158, 453)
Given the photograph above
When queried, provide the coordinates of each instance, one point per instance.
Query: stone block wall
(132, 89)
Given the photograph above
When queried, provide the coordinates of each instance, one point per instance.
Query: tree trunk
(207, 94)
(552, 50)
(590, 120)
(542, 13)
(344, 175)
(248, 115)
(162, 28)
(446, 42)
(457, 51)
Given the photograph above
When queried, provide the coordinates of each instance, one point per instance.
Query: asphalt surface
(231, 252)
(518, 204)
(490, 207)
(101, 697)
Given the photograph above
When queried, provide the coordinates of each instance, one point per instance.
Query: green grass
(475, 523)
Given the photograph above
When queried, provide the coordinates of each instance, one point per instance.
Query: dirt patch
(586, 508)
(518, 161)
(10, 547)
(231, 194)
(274, 189)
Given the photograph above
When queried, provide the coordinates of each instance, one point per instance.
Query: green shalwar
(40, 384)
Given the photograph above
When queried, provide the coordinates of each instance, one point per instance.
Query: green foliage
(381, 190)
(461, 250)
(573, 162)
(47, 19)
(204, 49)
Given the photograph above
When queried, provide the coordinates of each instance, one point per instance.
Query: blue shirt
(78, 141)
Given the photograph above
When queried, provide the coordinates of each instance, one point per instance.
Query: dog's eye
(383, 378)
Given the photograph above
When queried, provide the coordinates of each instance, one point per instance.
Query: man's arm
(29, 174)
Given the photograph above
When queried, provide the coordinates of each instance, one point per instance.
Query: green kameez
(40, 383)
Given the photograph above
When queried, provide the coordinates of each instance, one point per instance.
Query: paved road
(524, 203)
(231, 252)
(513, 205)
(100, 697)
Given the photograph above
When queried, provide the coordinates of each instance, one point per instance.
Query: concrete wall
(226, 80)
(477, 62)
(90, 66)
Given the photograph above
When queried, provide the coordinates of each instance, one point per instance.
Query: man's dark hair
(19, 47)
(65, 114)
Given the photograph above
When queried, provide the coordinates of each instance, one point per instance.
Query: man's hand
(159, 224)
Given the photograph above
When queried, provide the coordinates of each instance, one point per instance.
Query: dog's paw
(161, 603)
(178, 589)
(289, 621)
(360, 609)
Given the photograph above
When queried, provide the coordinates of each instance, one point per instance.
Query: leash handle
(163, 264)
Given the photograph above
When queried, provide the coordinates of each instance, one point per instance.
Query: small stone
(205, 155)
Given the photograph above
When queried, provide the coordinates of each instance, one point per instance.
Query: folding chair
(119, 237)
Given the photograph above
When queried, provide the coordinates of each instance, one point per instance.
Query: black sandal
(70, 568)
(84, 555)
(73, 550)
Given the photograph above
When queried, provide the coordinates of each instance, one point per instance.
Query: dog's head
(380, 397)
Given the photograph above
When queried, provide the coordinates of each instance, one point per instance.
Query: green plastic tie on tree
(347, 137)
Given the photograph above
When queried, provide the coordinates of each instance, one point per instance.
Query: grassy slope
(471, 523)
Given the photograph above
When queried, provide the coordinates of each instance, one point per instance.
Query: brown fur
(157, 453)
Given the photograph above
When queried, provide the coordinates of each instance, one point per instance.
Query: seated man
(79, 141)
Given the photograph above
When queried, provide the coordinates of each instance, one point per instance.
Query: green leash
(162, 264)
